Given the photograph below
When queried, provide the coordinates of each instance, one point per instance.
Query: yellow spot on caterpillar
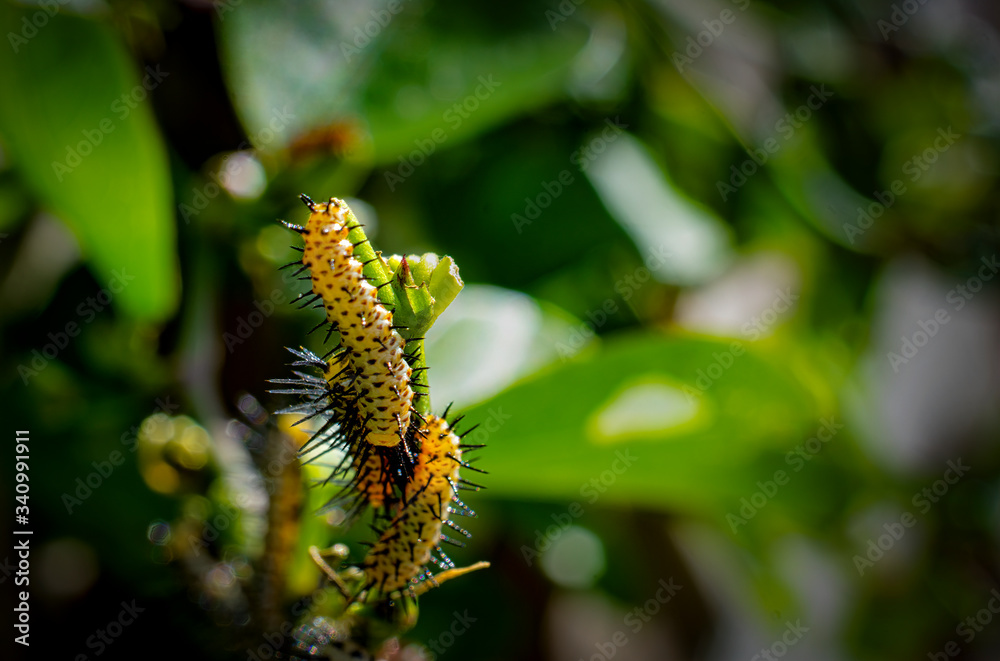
(365, 326)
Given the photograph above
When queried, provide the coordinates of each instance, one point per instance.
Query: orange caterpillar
(405, 548)
(381, 375)
(372, 483)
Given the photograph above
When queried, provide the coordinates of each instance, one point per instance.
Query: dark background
(696, 237)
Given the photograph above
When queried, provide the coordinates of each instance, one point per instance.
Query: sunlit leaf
(662, 421)
(78, 126)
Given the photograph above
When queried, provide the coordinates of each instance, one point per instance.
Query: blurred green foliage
(553, 151)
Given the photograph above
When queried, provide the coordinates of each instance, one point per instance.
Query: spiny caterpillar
(372, 482)
(401, 460)
(377, 474)
(405, 548)
(365, 395)
(370, 343)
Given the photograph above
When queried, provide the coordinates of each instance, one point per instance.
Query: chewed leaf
(425, 285)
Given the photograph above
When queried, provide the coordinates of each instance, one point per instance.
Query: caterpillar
(368, 474)
(365, 395)
(406, 546)
(370, 343)
(403, 463)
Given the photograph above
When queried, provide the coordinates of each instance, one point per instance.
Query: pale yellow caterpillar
(381, 375)
(373, 475)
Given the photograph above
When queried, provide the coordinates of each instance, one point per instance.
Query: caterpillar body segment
(373, 347)
(406, 547)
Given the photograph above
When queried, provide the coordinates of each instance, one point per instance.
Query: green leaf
(423, 291)
(505, 334)
(401, 73)
(425, 286)
(653, 420)
(95, 159)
